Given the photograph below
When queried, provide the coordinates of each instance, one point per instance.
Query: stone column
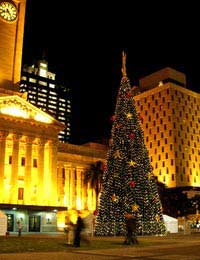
(67, 188)
(41, 194)
(28, 167)
(54, 188)
(50, 173)
(15, 169)
(60, 185)
(3, 135)
(73, 188)
(84, 191)
(78, 189)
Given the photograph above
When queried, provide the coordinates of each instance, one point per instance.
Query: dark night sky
(83, 45)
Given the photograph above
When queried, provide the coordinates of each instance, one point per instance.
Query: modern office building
(44, 92)
(171, 122)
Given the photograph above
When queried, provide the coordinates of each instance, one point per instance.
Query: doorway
(34, 223)
(10, 222)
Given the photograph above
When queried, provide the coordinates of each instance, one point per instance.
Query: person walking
(19, 225)
(77, 233)
(131, 237)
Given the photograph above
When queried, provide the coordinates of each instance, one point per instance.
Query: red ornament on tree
(104, 168)
(112, 118)
(128, 95)
(95, 212)
(131, 135)
(118, 126)
(132, 183)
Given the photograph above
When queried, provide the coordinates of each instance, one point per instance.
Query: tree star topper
(124, 64)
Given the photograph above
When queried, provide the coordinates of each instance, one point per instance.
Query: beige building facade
(170, 119)
(42, 180)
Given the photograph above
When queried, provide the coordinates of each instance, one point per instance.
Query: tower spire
(124, 64)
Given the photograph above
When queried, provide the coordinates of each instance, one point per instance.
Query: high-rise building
(170, 116)
(45, 93)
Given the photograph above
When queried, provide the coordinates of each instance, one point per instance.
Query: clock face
(8, 11)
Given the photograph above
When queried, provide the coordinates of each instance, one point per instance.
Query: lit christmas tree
(129, 185)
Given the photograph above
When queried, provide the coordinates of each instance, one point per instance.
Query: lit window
(42, 83)
(53, 93)
(52, 102)
(32, 80)
(42, 72)
(20, 193)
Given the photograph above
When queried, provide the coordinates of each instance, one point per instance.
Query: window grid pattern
(171, 125)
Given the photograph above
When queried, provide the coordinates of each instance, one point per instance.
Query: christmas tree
(129, 185)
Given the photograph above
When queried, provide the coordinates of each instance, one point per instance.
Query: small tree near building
(94, 177)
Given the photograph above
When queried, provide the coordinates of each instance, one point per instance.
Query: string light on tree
(128, 182)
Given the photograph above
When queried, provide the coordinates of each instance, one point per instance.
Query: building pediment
(17, 107)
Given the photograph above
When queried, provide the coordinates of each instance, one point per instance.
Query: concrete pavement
(171, 247)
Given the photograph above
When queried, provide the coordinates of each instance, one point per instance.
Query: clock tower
(12, 18)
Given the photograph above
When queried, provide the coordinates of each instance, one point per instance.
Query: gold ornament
(135, 207)
(129, 115)
(117, 154)
(132, 163)
(114, 198)
(149, 175)
(157, 217)
(115, 175)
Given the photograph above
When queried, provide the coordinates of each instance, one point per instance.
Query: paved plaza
(178, 246)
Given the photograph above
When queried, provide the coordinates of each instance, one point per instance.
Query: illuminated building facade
(45, 93)
(41, 178)
(171, 122)
(27, 165)
(11, 41)
(73, 192)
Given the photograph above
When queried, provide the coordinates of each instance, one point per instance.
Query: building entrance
(34, 223)
(10, 222)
